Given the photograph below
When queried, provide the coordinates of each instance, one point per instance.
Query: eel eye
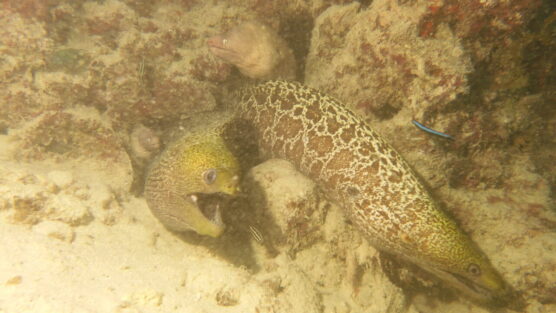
(474, 269)
(209, 176)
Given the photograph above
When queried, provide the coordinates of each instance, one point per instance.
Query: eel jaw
(498, 296)
(221, 47)
(209, 209)
(209, 217)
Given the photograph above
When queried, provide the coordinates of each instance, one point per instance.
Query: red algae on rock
(62, 135)
(383, 65)
(477, 18)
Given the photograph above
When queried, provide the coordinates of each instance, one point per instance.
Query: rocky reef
(444, 65)
(89, 91)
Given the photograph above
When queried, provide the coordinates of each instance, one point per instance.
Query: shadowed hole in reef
(366, 3)
(296, 31)
(387, 110)
(413, 280)
(242, 140)
(240, 216)
(539, 55)
(234, 245)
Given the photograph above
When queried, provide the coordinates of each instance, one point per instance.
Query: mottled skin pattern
(365, 175)
(180, 172)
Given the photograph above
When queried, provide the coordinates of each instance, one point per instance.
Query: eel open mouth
(210, 205)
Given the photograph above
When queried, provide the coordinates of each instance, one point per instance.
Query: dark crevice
(297, 32)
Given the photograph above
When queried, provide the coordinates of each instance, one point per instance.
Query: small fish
(256, 234)
(432, 131)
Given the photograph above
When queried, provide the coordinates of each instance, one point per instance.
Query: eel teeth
(217, 219)
(194, 198)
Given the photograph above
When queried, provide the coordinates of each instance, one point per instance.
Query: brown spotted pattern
(357, 169)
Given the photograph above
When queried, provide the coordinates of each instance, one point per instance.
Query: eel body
(362, 173)
(198, 161)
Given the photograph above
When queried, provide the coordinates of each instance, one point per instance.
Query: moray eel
(197, 162)
(362, 173)
(256, 50)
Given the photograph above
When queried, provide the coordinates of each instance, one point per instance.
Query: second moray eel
(197, 162)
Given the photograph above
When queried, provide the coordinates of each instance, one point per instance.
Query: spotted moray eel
(378, 190)
(197, 162)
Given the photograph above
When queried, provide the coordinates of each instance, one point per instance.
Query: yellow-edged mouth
(210, 206)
